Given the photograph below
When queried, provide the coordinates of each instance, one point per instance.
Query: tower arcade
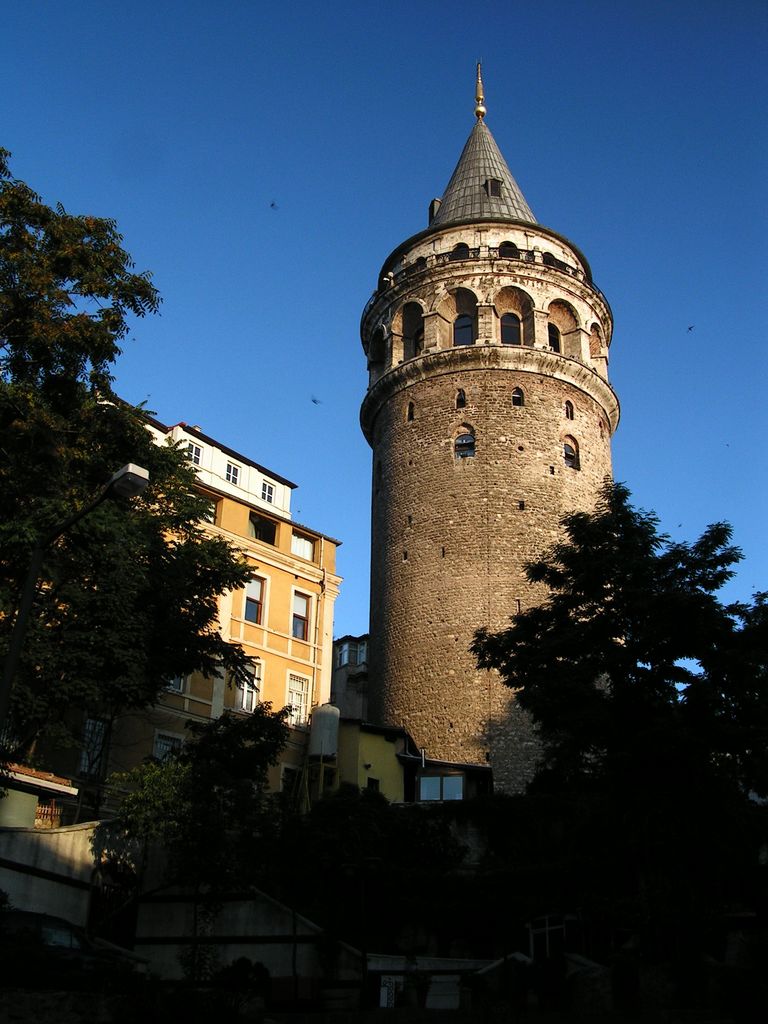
(490, 415)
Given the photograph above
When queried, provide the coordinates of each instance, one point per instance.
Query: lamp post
(127, 482)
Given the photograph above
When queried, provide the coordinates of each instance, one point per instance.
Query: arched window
(569, 410)
(554, 337)
(509, 251)
(463, 330)
(510, 329)
(464, 446)
(571, 453)
(549, 260)
(461, 399)
(409, 412)
(460, 251)
(518, 398)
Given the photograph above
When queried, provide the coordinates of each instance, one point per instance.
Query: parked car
(39, 951)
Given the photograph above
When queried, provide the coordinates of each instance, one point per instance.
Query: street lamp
(127, 482)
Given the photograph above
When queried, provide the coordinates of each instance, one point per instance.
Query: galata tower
(490, 416)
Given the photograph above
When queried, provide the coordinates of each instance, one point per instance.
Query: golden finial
(480, 108)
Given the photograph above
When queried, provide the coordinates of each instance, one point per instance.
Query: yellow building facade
(283, 619)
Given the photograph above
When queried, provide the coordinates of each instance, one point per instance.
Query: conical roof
(470, 195)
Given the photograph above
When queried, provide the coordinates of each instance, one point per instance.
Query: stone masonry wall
(451, 539)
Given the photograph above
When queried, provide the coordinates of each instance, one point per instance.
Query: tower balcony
(504, 256)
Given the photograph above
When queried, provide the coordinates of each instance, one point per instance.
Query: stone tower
(490, 415)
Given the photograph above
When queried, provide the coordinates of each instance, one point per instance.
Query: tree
(205, 810)
(649, 697)
(127, 597)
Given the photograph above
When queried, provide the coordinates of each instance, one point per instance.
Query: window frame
(232, 473)
(93, 747)
(464, 450)
(177, 744)
(299, 712)
(267, 492)
(194, 453)
(257, 520)
(302, 539)
(512, 319)
(518, 398)
(467, 325)
(249, 601)
(554, 338)
(248, 694)
(299, 621)
(441, 778)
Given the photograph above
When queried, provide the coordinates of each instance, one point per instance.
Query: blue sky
(636, 130)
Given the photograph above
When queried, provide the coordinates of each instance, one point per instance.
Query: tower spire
(479, 96)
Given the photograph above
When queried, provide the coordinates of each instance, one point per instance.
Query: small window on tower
(463, 330)
(409, 413)
(571, 453)
(554, 337)
(493, 187)
(569, 410)
(518, 398)
(464, 446)
(461, 399)
(510, 329)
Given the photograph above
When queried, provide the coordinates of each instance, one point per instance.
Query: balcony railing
(491, 253)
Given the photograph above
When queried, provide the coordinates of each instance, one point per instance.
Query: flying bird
(273, 206)
(691, 327)
(316, 401)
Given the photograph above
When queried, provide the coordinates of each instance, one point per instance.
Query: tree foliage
(649, 697)
(207, 807)
(127, 597)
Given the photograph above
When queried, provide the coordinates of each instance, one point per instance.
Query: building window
(510, 329)
(267, 492)
(300, 617)
(554, 337)
(352, 652)
(211, 510)
(372, 784)
(441, 787)
(176, 684)
(409, 412)
(463, 330)
(461, 399)
(518, 398)
(254, 601)
(194, 453)
(493, 187)
(569, 410)
(166, 744)
(261, 528)
(571, 453)
(94, 734)
(232, 473)
(302, 546)
(298, 699)
(464, 446)
(248, 689)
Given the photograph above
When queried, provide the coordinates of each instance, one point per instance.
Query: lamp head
(128, 481)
